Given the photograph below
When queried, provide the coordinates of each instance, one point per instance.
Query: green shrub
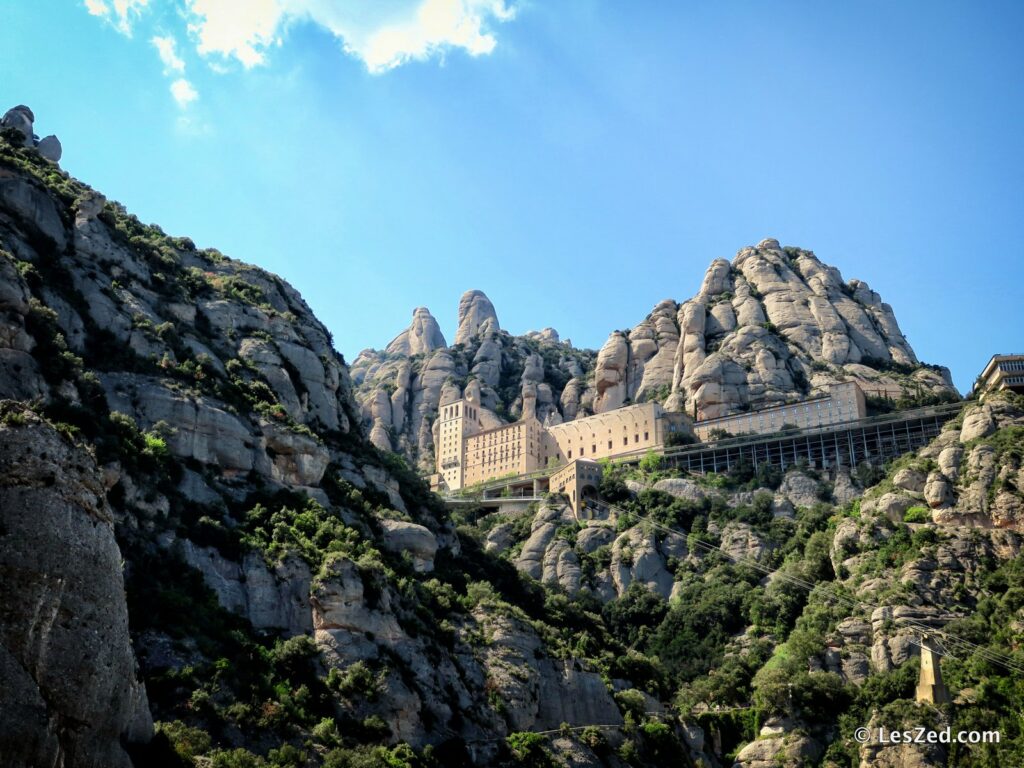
(634, 616)
(917, 514)
(651, 462)
(235, 758)
(188, 742)
(287, 756)
(527, 748)
(632, 703)
(356, 681)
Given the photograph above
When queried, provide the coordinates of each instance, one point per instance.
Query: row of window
(625, 428)
(625, 442)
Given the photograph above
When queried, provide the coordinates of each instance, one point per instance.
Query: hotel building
(1002, 372)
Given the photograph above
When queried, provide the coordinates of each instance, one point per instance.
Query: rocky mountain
(207, 562)
(399, 389)
(191, 512)
(774, 325)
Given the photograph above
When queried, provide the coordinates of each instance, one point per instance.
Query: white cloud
(238, 28)
(183, 92)
(120, 13)
(167, 47)
(97, 7)
(384, 34)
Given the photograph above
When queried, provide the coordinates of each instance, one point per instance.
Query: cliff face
(67, 672)
(773, 325)
(806, 595)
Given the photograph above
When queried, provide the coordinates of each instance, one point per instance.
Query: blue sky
(388, 155)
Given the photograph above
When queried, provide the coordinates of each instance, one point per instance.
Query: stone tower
(458, 417)
(930, 688)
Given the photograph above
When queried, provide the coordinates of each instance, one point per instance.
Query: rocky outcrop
(542, 533)
(21, 119)
(67, 671)
(476, 317)
(415, 540)
(773, 324)
(344, 620)
(638, 556)
(969, 475)
(681, 488)
(743, 544)
(610, 377)
(540, 692)
(271, 598)
(422, 336)
(783, 750)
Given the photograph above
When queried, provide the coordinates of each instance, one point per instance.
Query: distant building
(844, 402)
(467, 454)
(563, 458)
(1002, 372)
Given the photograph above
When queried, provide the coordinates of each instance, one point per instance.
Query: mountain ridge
(774, 325)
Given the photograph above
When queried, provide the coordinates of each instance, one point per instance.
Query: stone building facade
(511, 449)
(844, 402)
(578, 480)
(467, 454)
(614, 433)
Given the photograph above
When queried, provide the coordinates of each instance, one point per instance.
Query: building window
(609, 445)
(625, 440)
(646, 436)
(636, 438)
(570, 453)
(593, 449)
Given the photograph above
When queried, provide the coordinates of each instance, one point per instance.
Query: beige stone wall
(574, 479)
(844, 402)
(468, 455)
(458, 420)
(610, 434)
(512, 449)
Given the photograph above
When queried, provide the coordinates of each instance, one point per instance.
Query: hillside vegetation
(208, 562)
